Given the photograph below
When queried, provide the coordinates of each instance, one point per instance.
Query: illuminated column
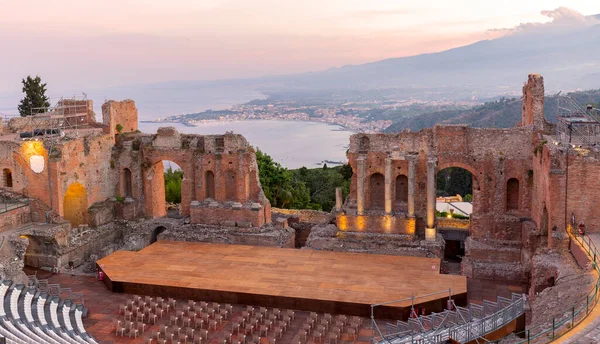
(360, 185)
(430, 232)
(388, 185)
(411, 184)
(338, 199)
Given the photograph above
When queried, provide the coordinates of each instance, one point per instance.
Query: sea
(293, 144)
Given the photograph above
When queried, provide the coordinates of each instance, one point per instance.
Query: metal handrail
(470, 329)
(578, 314)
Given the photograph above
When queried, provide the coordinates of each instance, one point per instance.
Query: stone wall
(229, 214)
(305, 215)
(376, 224)
(14, 218)
(533, 103)
(328, 237)
(120, 112)
(216, 168)
(266, 236)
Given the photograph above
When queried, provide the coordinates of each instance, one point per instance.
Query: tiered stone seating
(24, 315)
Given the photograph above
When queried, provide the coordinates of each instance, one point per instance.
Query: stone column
(388, 185)
(430, 231)
(411, 184)
(338, 199)
(360, 185)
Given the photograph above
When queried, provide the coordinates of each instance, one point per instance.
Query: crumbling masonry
(82, 189)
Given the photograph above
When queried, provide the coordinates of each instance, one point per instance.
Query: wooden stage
(322, 281)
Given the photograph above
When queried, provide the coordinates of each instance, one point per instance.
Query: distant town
(370, 116)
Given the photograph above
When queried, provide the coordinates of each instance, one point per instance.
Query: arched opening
(401, 189)
(210, 184)
(377, 191)
(512, 194)
(127, 183)
(453, 208)
(173, 177)
(75, 205)
(155, 233)
(7, 180)
(230, 186)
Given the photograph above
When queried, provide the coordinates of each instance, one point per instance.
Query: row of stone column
(430, 232)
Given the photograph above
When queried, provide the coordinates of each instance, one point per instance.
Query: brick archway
(479, 200)
(154, 182)
(75, 205)
(376, 191)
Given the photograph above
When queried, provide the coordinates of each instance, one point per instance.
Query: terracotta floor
(103, 307)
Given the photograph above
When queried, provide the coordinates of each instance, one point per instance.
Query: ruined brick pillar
(360, 185)
(430, 232)
(242, 180)
(338, 199)
(388, 185)
(411, 184)
(533, 103)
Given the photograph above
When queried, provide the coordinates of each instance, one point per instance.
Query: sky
(93, 44)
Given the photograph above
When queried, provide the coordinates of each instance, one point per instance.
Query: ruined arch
(512, 194)
(402, 188)
(127, 179)
(376, 191)
(209, 181)
(479, 192)
(75, 205)
(230, 186)
(7, 178)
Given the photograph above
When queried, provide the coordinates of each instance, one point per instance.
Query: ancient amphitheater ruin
(75, 191)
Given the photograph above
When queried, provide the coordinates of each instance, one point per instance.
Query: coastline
(341, 127)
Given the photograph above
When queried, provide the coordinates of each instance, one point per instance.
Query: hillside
(502, 113)
(564, 51)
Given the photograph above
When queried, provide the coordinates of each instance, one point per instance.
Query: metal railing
(580, 309)
(8, 203)
(460, 324)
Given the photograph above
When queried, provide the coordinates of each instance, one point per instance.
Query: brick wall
(120, 112)
(14, 218)
(224, 215)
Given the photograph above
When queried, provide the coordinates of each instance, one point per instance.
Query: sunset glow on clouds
(75, 44)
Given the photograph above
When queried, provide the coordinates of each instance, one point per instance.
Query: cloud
(562, 19)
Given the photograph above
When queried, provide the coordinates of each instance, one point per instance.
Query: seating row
(29, 315)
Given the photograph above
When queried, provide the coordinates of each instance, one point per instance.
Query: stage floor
(337, 282)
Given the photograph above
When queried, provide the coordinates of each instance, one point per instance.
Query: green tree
(322, 184)
(279, 186)
(173, 185)
(346, 171)
(454, 181)
(35, 96)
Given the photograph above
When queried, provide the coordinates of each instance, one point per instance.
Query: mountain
(567, 57)
(502, 113)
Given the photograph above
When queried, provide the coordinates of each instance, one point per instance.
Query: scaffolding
(577, 124)
(68, 113)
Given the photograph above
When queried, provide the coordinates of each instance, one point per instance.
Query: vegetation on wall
(173, 185)
(303, 188)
